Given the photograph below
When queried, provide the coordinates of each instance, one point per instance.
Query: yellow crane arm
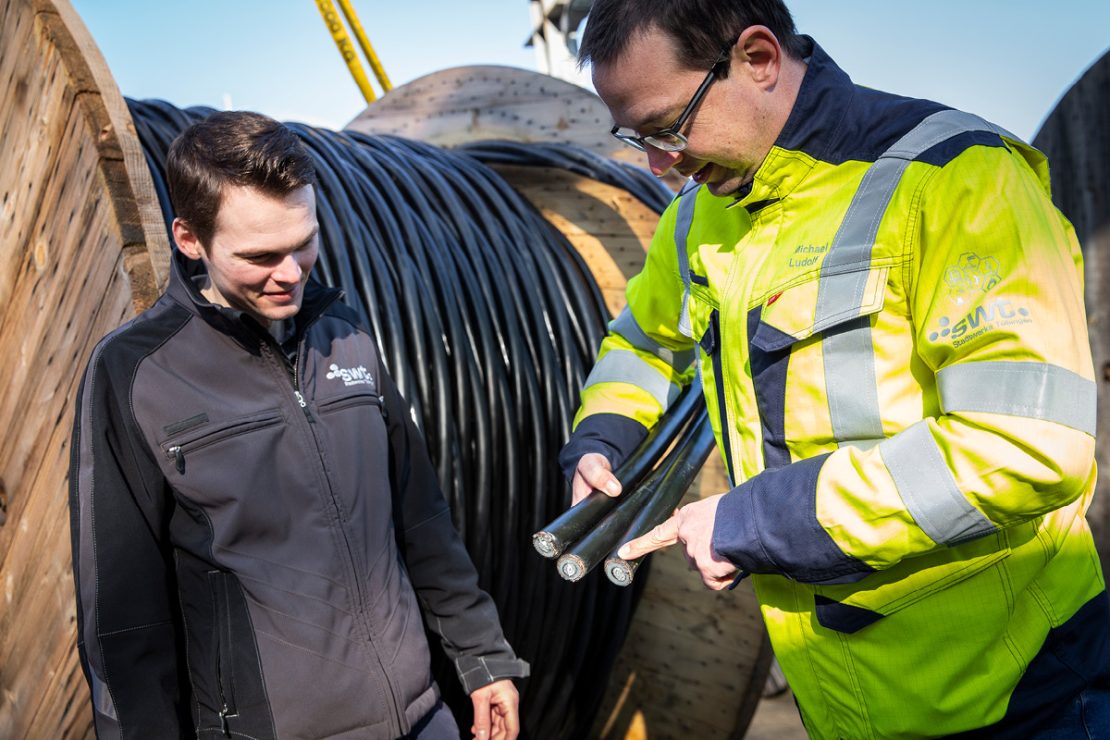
(346, 48)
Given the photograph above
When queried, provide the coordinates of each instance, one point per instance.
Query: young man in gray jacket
(257, 529)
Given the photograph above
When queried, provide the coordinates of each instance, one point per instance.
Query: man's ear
(187, 240)
(759, 51)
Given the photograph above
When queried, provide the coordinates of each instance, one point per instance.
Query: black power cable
(489, 321)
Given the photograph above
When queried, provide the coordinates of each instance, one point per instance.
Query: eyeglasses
(671, 138)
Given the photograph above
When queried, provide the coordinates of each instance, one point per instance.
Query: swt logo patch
(350, 375)
(1000, 312)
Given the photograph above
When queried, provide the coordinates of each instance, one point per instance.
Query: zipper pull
(179, 458)
(303, 404)
(223, 722)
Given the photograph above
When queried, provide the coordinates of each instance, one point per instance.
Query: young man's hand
(496, 711)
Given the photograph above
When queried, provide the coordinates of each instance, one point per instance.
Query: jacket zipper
(719, 384)
(268, 351)
(223, 642)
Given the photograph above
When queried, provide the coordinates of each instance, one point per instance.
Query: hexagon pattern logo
(970, 275)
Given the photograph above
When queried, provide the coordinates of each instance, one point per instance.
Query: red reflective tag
(774, 298)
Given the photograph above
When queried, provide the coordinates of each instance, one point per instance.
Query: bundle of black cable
(596, 527)
(489, 321)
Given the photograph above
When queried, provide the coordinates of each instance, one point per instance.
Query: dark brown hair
(701, 28)
(232, 148)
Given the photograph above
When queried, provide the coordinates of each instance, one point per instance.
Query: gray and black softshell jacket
(255, 540)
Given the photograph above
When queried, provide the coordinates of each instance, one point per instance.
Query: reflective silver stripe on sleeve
(625, 324)
(1031, 389)
(625, 366)
(684, 218)
(849, 353)
(928, 489)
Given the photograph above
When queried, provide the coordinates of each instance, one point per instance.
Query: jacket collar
(824, 98)
(186, 277)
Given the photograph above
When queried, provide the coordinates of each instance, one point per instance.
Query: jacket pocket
(176, 449)
(850, 607)
(811, 342)
(224, 663)
(345, 402)
(817, 306)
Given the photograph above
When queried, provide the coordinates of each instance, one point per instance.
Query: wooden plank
(608, 227)
(74, 263)
(31, 122)
(130, 189)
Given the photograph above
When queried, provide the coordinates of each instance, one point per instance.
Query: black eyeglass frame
(679, 141)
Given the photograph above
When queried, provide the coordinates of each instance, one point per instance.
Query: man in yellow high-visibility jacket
(886, 312)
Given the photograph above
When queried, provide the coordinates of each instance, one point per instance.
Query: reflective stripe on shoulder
(625, 366)
(849, 353)
(1031, 389)
(928, 489)
(684, 218)
(626, 325)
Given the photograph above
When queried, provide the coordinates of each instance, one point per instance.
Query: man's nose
(288, 270)
(660, 161)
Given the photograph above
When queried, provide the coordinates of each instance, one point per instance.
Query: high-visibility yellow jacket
(890, 330)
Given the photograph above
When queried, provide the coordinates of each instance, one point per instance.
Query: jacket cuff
(611, 435)
(769, 524)
(478, 671)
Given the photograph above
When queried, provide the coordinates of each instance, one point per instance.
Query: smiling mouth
(283, 296)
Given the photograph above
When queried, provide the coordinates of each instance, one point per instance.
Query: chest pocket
(186, 445)
(816, 336)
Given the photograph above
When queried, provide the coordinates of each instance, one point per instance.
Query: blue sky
(1007, 60)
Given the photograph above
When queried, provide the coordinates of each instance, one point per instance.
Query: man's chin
(724, 188)
(718, 179)
(277, 313)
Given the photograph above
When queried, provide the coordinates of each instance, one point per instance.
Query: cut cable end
(546, 545)
(571, 567)
(619, 572)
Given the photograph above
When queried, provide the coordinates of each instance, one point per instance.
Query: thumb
(598, 474)
(664, 535)
(481, 727)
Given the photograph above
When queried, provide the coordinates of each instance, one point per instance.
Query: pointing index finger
(663, 535)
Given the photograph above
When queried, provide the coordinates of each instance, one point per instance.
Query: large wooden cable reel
(82, 249)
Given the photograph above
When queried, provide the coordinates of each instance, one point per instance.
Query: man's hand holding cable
(593, 473)
(692, 525)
